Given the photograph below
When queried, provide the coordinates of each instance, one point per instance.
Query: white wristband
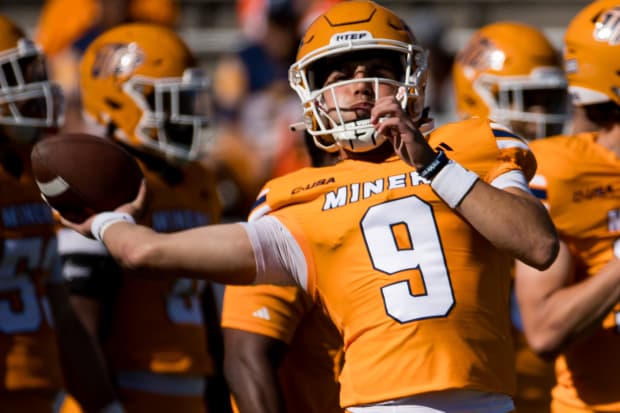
(103, 221)
(453, 183)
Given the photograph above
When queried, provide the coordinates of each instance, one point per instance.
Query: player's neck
(610, 138)
(376, 155)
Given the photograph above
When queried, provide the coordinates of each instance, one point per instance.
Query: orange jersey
(28, 264)
(308, 375)
(535, 378)
(158, 324)
(579, 180)
(421, 299)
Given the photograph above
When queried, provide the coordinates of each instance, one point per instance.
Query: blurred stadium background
(212, 29)
(210, 26)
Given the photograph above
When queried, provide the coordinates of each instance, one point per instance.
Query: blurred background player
(140, 84)
(572, 309)
(283, 354)
(42, 343)
(509, 71)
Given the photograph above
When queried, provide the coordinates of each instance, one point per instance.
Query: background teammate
(509, 72)
(571, 310)
(44, 350)
(140, 84)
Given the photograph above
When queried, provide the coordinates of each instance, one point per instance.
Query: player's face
(541, 102)
(357, 98)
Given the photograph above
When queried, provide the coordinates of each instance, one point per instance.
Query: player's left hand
(391, 120)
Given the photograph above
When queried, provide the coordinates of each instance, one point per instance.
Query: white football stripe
(54, 187)
(503, 143)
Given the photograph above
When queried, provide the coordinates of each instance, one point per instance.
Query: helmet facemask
(176, 112)
(27, 97)
(329, 126)
(534, 106)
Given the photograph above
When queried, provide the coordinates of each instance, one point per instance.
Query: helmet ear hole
(112, 104)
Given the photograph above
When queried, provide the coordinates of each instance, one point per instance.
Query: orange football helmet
(363, 29)
(27, 97)
(592, 54)
(141, 81)
(511, 73)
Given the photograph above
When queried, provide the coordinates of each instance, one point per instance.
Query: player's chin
(361, 114)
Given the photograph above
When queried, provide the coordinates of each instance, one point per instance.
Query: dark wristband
(436, 165)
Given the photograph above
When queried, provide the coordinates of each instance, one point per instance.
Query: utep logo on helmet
(607, 27)
(118, 60)
(350, 36)
(482, 54)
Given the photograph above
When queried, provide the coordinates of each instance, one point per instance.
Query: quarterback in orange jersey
(41, 340)
(510, 72)
(141, 84)
(406, 243)
(572, 309)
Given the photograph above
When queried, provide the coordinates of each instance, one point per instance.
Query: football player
(282, 352)
(406, 243)
(572, 309)
(43, 347)
(509, 71)
(140, 83)
(281, 349)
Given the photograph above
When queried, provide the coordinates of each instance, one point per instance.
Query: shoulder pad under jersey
(297, 187)
(477, 142)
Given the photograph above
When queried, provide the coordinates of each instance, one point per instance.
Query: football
(80, 174)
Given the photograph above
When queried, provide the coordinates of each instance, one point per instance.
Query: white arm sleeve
(279, 258)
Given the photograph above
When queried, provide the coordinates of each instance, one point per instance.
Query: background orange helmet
(511, 73)
(140, 80)
(348, 28)
(62, 23)
(592, 54)
(27, 97)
